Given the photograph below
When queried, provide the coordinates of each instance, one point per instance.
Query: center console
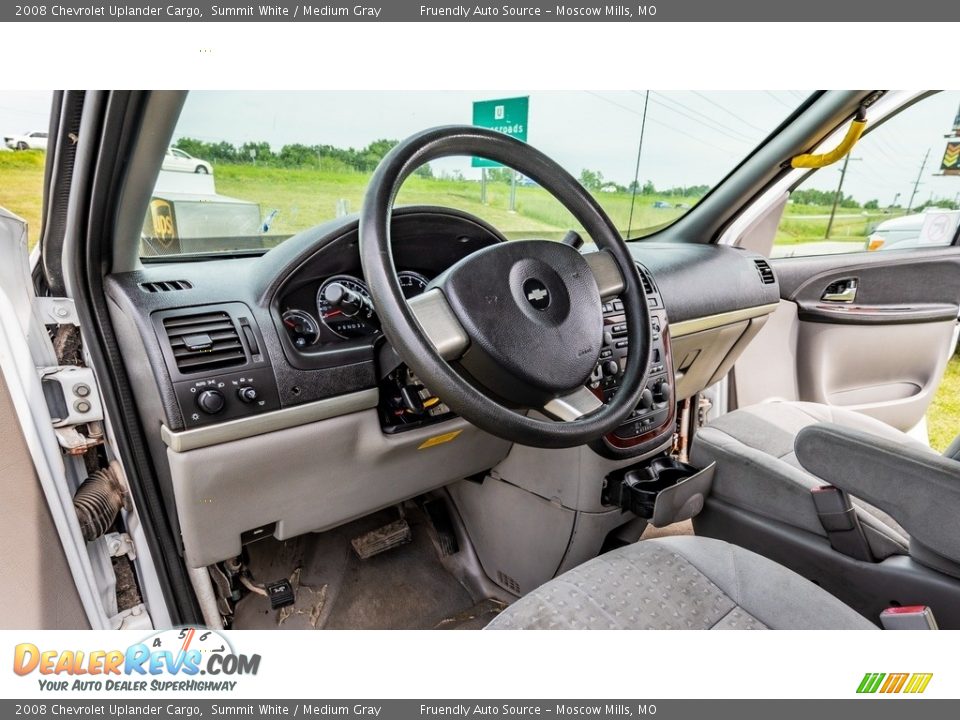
(651, 424)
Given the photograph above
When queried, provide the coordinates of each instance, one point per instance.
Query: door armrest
(920, 490)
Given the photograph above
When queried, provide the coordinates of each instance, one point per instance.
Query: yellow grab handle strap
(846, 145)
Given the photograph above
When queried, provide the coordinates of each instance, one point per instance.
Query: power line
(779, 100)
(716, 127)
(728, 112)
(667, 126)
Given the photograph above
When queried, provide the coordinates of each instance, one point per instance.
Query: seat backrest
(920, 490)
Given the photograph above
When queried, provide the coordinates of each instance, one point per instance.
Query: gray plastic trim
(574, 405)
(709, 322)
(606, 273)
(440, 324)
(269, 422)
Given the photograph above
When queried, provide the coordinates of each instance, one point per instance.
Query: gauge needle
(290, 324)
(333, 313)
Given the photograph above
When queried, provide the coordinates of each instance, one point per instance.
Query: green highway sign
(506, 115)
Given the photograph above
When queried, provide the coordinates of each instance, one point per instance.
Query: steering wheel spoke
(606, 273)
(573, 406)
(440, 324)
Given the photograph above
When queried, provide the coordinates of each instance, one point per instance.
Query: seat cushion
(757, 469)
(680, 583)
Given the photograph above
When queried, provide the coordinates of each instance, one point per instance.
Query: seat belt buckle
(908, 617)
(839, 520)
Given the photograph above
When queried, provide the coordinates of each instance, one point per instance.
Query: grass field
(306, 197)
(943, 418)
(21, 186)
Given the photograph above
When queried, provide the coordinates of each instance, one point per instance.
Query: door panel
(39, 587)
(881, 352)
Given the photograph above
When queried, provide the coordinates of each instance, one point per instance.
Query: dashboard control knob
(211, 401)
(349, 302)
(646, 399)
(607, 337)
(610, 368)
(247, 394)
(661, 391)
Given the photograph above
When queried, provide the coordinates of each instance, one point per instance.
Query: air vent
(508, 582)
(204, 341)
(165, 286)
(647, 280)
(766, 272)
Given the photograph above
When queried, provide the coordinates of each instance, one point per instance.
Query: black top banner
(515, 11)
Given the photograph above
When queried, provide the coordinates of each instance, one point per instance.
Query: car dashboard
(243, 365)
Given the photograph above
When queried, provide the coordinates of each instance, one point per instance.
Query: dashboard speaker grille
(766, 272)
(204, 341)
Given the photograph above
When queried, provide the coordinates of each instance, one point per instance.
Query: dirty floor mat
(406, 587)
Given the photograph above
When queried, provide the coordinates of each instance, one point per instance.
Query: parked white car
(180, 161)
(28, 141)
(931, 227)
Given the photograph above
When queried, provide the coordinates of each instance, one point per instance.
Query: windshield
(249, 169)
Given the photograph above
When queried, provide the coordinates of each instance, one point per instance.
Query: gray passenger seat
(757, 468)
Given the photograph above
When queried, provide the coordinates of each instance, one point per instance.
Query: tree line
(296, 155)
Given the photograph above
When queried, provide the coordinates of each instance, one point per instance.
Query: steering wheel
(517, 326)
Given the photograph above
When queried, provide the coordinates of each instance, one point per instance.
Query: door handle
(844, 291)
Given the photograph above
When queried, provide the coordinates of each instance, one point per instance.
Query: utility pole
(838, 195)
(636, 172)
(916, 184)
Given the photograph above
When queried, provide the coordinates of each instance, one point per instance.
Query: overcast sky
(690, 138)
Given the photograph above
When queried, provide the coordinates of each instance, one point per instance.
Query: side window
(899, 189)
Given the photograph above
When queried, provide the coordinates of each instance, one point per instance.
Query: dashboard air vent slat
(165, 286)
(766, 272)
(204, 341)
(647, 280)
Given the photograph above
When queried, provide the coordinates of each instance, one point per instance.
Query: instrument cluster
(344, 310)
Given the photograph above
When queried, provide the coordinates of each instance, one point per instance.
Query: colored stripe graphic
(894, 683)
(913, 683)
(918, 682)
(870, 682)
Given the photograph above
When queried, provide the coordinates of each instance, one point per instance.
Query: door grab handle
(844, 291)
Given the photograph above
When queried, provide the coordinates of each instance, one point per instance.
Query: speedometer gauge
(345, 307)
(412, 283)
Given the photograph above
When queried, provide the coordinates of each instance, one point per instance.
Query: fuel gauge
(301, 327)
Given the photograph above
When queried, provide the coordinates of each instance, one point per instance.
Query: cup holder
(663, 491)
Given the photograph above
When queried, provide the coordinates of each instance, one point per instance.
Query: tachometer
(301, 327)
(346, 308)
(412, 283)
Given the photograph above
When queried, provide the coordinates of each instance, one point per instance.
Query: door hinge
(120, 544)
(73, 401)
(56, 311)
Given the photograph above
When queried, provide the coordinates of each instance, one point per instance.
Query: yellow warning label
(439, 439)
